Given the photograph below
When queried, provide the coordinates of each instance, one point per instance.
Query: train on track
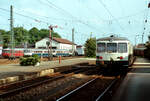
(114, 50)
(19, 52)
(45, 52)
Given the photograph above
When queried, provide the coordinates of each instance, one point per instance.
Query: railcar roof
(113, 38)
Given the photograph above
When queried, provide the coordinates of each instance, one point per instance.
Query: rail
(14, 91)
(106, 90)
(69, 95)
(75, 90)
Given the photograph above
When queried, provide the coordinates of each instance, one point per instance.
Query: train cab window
(122, 47)
(6, 51)
(111, 47)
(101, 47)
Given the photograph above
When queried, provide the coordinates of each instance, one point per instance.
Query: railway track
(15, 88)
(97, 88)
(96, 85)
(90, 90)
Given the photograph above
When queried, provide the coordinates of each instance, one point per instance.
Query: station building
(1, 48)
(57, 43)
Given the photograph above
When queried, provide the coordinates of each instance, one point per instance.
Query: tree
(44, 33)
(34, 35)
(55, 34)
(5, 37)
(20, 35)
(90, 47)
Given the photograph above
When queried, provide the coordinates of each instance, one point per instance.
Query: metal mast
(73, 42)
(12, 32)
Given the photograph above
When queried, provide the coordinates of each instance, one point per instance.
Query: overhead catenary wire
(35, 19)
(46, 17)
(78, 20)
(69, 14)
(145, 22)
(100, 1)
(26, 16)
(74, 19)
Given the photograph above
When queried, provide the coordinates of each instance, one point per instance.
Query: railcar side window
(101, 47)
(111, 47)
(122, 47)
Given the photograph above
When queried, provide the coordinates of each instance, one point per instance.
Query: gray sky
(101, 17)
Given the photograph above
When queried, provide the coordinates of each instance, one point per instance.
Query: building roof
(60, 40)
(79, 46)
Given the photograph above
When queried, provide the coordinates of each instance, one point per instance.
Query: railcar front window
(122, 47)
(111, 47)
(101, 47)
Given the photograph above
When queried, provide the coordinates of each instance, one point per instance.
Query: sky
(96, 18)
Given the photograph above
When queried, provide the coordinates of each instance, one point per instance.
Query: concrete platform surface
(140, 60)
(13, 72)
(135, 87)
(136, 84)
(6, 69)
(145, 63)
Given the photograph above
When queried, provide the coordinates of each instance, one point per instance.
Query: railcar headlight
(121, 57)
(100, 57)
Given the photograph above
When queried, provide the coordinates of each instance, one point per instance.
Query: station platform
(135, 86)
(145, 63)
(15, 72)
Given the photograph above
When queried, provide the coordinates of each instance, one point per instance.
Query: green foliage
(36, 57)
(90, 47)
(22, 35)
(55, 34)
(34, 35)
(37, 35)
(29, 61)
(5, 37)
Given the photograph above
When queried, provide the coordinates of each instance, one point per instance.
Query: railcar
(114, 50)
(17, 52)
(80, 50)
(44, 52)
(139, 51)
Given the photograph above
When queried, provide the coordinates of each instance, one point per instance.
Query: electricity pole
(1, 38)
(142, 37)
(73, 41)
(136, 39)
(12, 32)
(50, 53)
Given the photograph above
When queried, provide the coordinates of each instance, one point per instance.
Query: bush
(29, 61)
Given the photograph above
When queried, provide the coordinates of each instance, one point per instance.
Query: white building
(1, 48)
(57, 43)
(80, 50)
